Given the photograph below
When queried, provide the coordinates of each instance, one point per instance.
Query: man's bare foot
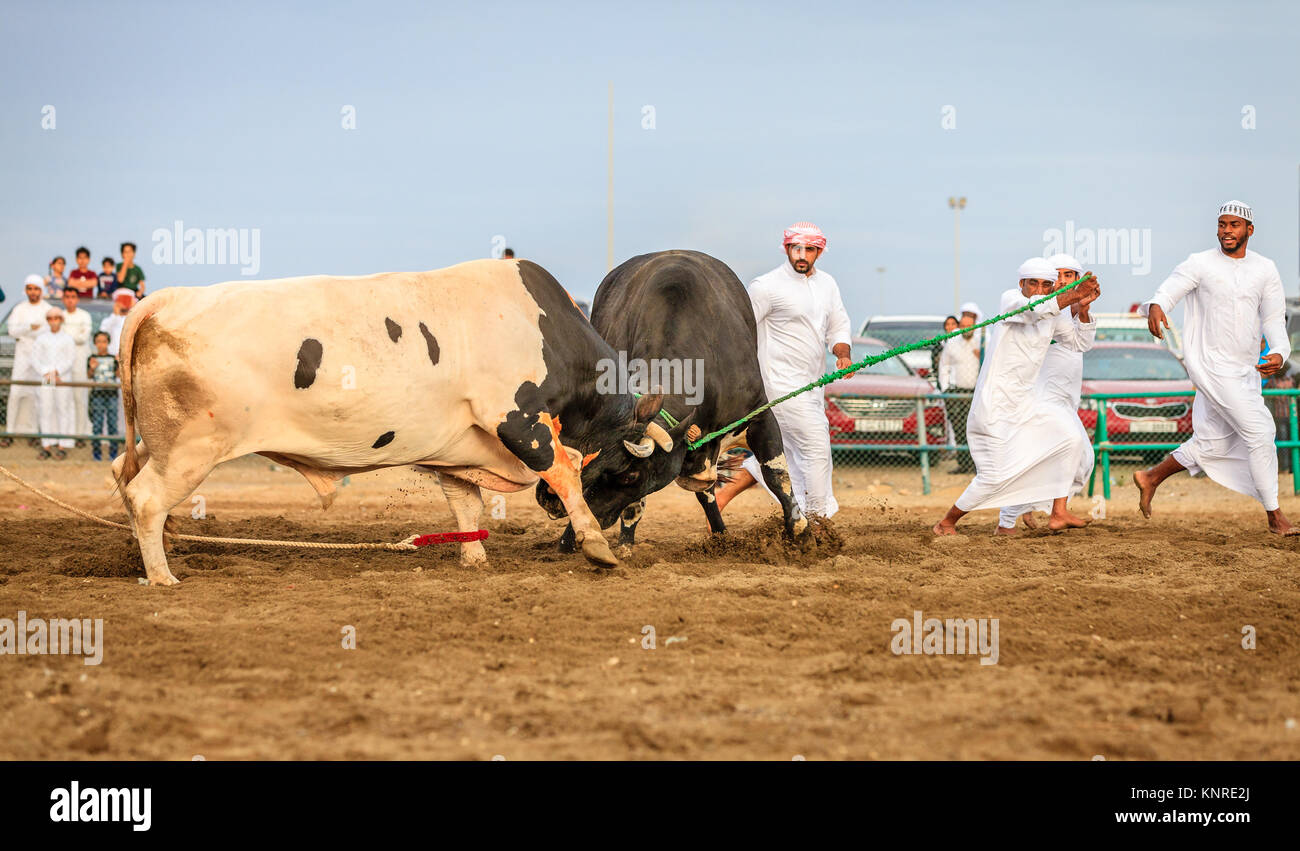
(1030, 522)
(1146, 490)
(942, 528)
(1279, 525)
(1003, 530)
(1065, 521)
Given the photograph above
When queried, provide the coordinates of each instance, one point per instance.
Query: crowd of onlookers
(57, 346)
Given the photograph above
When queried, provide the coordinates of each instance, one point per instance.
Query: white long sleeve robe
(21, 416)
(79, 325)
(1024, 447)
(800, 318)
(1229, 303)
(1060, 382)
(55, 353)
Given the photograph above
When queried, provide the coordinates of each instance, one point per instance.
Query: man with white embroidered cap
(1024, 448)
(1232, 296)
(26, 322)
(800, 315)
(1060, 381)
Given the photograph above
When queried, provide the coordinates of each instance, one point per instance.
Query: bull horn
(656, 432)
(642, 448)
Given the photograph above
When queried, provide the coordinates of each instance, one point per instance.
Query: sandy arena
(1122, 640)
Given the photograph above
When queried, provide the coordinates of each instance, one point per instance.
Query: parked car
(1149, 369)
(1132, 328)
(856, 420)
(898, 330)
(1293, 333)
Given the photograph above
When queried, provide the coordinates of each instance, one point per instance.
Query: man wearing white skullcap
(800, 315)
(54, 357)
(26, 322)
(1232, 296)
(1024, 448)
(1060, 382)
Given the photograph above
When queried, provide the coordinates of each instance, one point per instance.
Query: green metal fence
(911, 444)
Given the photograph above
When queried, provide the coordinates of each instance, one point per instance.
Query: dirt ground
(1122, 640)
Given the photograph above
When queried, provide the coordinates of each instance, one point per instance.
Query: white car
(1132, 328)
(901, 329)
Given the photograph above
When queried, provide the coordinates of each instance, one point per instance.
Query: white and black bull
(470, 372)
(685, 308)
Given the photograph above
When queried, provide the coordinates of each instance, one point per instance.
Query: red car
(1148, 369)
(855, 421)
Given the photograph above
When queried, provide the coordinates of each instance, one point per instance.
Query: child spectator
(101, 367)
(107, 278)
(129, 275)
(82, 279)
(55, 282)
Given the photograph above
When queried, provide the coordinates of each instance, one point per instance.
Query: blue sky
(486, 119)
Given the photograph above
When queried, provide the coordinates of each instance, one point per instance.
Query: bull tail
(134, 319)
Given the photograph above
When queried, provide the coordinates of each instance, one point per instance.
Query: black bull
(687, 309)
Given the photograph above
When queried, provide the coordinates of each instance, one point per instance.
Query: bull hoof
(800, 527)
(597, 551)
(478, 559)
(624, 551)
(165, 580)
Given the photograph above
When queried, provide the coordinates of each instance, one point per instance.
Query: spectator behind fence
(129, 275)
(959, 368)
(78, 325)
(82, 279)
(101, 367)
(107, 278)
(122, 303)
(26, 322)
(54, 281)
(54, 356)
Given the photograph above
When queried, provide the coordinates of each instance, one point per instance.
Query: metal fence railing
(877, 431)
(7, 437)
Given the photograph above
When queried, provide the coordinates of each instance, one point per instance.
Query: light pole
(957, 205)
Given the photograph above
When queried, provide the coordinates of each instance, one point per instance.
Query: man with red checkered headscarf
(800, 315)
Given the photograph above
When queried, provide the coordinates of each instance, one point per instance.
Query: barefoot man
(1025, 448)
(1060, 381)
(1233, 295)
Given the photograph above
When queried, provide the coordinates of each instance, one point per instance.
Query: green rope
(875, 359)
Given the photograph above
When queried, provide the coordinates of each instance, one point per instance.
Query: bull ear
(647, 407)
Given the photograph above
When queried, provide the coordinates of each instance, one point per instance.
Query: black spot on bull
(383, 440)
(431, 343)
(309, 355)
(394, 330)
(524, 434)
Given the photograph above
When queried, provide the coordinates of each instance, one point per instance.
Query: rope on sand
(414, 542)
(875, 359)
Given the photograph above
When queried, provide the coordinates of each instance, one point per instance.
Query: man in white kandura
(1060, 381)
(800, 315)
(54, 356)
(1024, 447)
(26, 322)
(1233, 296)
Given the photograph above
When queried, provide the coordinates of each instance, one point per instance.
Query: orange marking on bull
(587, 459)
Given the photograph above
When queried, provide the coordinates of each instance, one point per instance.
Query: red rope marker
(450, 538)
